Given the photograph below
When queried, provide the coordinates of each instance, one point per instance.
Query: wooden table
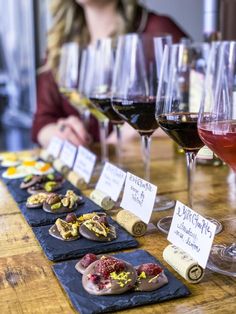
(27, 282)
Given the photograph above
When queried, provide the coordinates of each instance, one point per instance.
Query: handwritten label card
(68, 154)
(55, 146)
(139, 197)
(192, 233)
(84, 163)
(111, 181)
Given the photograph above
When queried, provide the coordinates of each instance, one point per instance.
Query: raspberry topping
(108, 265)
(150, 269)
(88, 259)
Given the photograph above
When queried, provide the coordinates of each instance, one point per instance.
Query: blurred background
(23, 28)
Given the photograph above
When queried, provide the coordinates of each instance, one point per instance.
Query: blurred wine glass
(134, 87)
(100, 94)
(217, 129)
(182, 73)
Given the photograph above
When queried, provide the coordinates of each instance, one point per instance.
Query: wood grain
(27, 282)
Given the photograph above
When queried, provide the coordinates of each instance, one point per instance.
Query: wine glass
(134, 87)
(183, 70)
(68, 67)
(85, 87)
(100, 93)
(217, 129)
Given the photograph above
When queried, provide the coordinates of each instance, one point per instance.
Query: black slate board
(57, 250)
(38, 217)
(86, 303)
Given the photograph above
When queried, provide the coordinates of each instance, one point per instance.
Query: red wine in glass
(182, 128)
(104, 105)
(138, 112)
(220, 136)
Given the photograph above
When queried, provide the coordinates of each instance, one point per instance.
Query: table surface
(27, 282)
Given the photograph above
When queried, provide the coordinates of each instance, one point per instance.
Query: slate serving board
(38, 217)
(85, 303)
(57, 250)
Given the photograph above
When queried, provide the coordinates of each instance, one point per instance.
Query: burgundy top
(51, 105)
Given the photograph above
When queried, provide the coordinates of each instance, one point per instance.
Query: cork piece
(61, 167)
(75, 179)
(130, 222)
(183, 264)
(102, 199)
(45, 156)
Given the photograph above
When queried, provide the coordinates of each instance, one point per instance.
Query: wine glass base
(163, 203)
(164, 224)
(222, 259)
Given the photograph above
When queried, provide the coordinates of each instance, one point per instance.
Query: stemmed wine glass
(68, 67)
(217, 129)
(100, 93)
(183, 69)
(134, 88)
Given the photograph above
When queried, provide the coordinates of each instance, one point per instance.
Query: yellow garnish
(122, 278)
(29, 163)
(142, 275)
(154, 278)
(45, 167)
(11, 171)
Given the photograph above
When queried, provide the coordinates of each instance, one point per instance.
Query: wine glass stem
(118, 144)
(191, 163)
(146, 144)
(103, 126)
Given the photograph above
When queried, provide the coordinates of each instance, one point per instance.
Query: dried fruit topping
(71, 218)
(88, 259)
(50, 176)
(95, 278)
(96, 227)
(28, 178)
(53, 198)
(108, 265)
(56, 206)
(37, 198)
(103, 220)
(150, 269)
(69, 199)
(48, 186)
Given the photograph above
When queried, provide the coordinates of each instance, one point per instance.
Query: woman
(85, 21)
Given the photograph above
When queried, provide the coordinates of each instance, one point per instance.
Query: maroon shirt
(51, 105)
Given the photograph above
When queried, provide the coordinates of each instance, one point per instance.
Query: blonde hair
(69, 24)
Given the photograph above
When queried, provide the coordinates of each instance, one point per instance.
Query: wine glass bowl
(183, 70)
(217, 129)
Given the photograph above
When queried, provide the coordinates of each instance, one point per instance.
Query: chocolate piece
(94, 230)
(85, 262)
(36, 201)
(109, 275)
(64, 231)
(44, 187)
(150, 277)
(57, 203)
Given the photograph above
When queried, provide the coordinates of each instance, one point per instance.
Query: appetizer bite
(67, 230)
(85, 262)
(36, 200)
(57, 203)
(41, 183)
(150, 277)
(109, 275)
(98, 229)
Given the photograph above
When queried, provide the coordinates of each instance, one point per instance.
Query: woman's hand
(71, 129)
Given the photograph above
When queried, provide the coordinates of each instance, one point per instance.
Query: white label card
(192, 233)
(111, 181)
(139, 197)
(55, 146)
(68, 154)
(84, 163)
